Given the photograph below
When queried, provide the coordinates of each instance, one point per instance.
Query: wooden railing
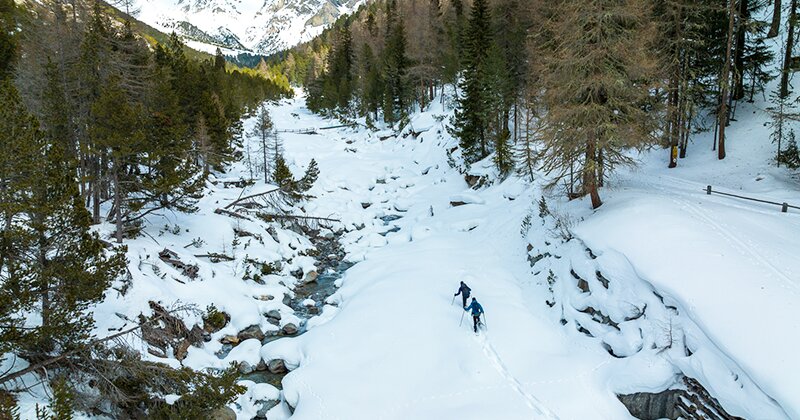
(784, 206)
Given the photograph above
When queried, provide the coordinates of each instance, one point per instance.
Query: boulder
(277, 366)
(648, 406)
(230, 339)
(265, 407)
(246, 368)
(253, 331)
(289, 329)
(224, 413)
(274, 314)
(310, 277)
(261, 366)
(182, 349)
(196, 336)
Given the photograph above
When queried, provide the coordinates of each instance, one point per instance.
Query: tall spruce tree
(471, 121)
(8, 42)
(395, 66)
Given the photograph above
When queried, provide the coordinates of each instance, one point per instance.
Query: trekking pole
(454, 300)
(484, 321)
(462, 319)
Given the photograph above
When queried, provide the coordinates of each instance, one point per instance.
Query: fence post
(784, 207)
(708, 190)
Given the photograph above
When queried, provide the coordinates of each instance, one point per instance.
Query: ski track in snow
(727, 234)
(530, 400)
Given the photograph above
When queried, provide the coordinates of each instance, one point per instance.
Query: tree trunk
(723, 109)
(741, 31)
(264, 152)
(775, 27)
(787, 55)
(94, 185)
(117, 203)
(673, 130)
(590, 173)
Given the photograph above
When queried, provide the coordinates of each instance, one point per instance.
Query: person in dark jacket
(464, 292)
(476, 309)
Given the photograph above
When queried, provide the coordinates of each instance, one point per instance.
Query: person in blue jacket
(476, 310)
(464, 292)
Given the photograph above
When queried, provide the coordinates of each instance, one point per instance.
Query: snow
(679, 283)
(395, 340)
(261, 27)
(396, 343)
(731, 263)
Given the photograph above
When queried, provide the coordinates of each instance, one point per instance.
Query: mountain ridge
(237, 26)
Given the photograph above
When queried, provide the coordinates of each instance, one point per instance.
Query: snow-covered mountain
(259, 26)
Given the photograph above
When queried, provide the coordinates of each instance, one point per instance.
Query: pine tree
(283, 176)
(51, 261)
(470, 124)
(118, 136)
(782, 133)
(172, 178)
(264, 131)
(309, 178)
(371, 90)
(8, 42)
(395, 67)
(497, 84)
(219, 60)
(20, 139)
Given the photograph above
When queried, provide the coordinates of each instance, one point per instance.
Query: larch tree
(725, 85)
(596, 78)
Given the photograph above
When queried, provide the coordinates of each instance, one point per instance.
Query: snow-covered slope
(262, 27)
(733, 264)
(661, 282)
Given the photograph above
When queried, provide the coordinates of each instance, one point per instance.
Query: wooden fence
(784, 206)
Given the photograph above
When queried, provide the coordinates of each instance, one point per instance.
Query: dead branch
(235, 202)
(63, 356)
(232, 214)
(215, 256)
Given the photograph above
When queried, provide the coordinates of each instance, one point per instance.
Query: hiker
(464, 292)
(476, 310)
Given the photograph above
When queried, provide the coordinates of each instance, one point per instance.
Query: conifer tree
(264, 131)
(118, 136)
(471, 120)
(309, 178)
(171, 179)
(8, 42)
(395, 66)
(219, 60)
(596, 83)
(371, 90)
(283, 176)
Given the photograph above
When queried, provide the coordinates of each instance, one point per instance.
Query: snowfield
(732, 264)
(712, 276)
(662, 281)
